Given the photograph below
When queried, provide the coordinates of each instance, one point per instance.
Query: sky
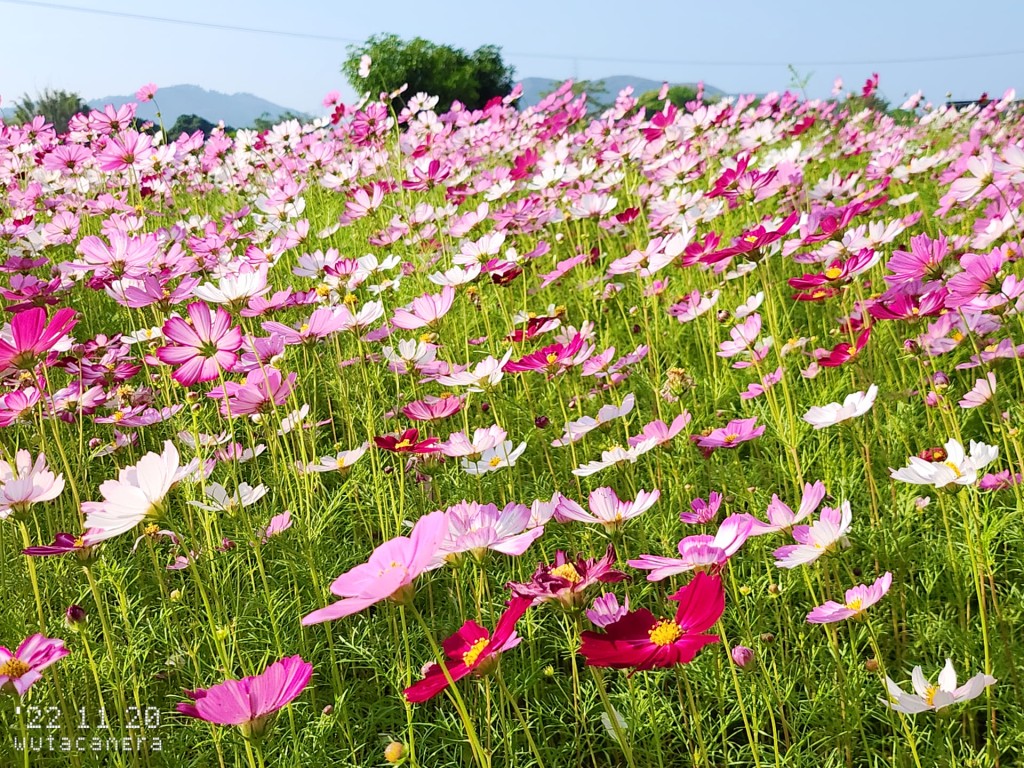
(739, 46)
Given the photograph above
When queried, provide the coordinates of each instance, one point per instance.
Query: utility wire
(519, 54)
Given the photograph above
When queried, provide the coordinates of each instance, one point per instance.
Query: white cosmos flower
(485, 374)
(855, 404)
(927, 697)
(493, 459)
(136, 494)
(227, 502)
(575, 430)
(615, 455)
(956, 469)
(236, 287)
(338, 463)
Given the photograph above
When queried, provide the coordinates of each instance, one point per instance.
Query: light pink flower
(981, 393)
(19, 670)
(26, 483)
(606, 508)
(701, 552)
(858, 600)
(814, 540)
(425, 310)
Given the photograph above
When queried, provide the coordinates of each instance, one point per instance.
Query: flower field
(515, 437)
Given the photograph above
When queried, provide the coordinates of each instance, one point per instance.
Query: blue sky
(739, 46)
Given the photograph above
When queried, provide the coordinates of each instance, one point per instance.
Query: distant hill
(535, 87)
(238, 110)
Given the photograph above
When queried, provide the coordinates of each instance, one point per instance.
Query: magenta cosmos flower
(730, 436)
(388, 573)
(567, 581)
(424, 310)
(642, 641)
(19, 670)
(31, 337)
(858, 600)
(202, 346)
(251, 702)
(470, 650)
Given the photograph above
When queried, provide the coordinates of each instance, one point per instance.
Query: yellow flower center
(403, 444)
(496, 461)
(751, 238)
(350, 298)
(428, 338)
(929, 695)
(665, 632)
(151, 530)
(568, 572)
(14, 667)
(957, 336)
(833, 273)
(304, 327)
(469, 658)
(730, 439)
(80, 542)
(552, 359)
(954, 467)
(118, 415)
(855, 605)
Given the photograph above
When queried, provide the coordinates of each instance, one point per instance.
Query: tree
(678, 95)
(449, 73)
(266, 121)
(189, 124)
(57, 107)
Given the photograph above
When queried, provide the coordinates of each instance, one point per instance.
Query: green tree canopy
(449, 73)
(57, 107)
(189, 124)
(678, 95)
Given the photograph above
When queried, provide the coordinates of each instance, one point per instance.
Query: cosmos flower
(606, 508)
(425, 310)
(470, 650)
(981, 393)
(388, 573)
(703, 511)
(781, 516)
(250, 703)
(136, 494)
(25, 483)
(948, 465)
(567, 581)
(642, 641)
(576, 430)
(19, 670)
(854, 405)
(857, 600)
(928, 697)
(202, 347)
(432, 408)
(731, 435)
(30, 337)
(406, 442)
(814, 540)
(476, 528)
(606, 610)
(701, 552)
(493, 459)
(340, 462)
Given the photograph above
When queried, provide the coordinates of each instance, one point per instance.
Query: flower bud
(767, 638)
(541, 422)
(394, 752)
(75, 617)
(871, 665)
(743, 657)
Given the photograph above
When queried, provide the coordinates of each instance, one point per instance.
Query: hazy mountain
(238, 110)
(534, 87)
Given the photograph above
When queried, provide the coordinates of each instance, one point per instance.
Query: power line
(520, 54)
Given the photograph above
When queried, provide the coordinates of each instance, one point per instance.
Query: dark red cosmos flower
(470, 650)
(407, 442)
(568, 580)
(642, 641)
(841, 353)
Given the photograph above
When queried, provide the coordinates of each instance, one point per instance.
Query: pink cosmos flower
(425, 310)
(432, 408)
(606, 508)
(476, 528)
(278, 524)
(17, 404)
(606, 610)
(201, 348)
(768, 381)
(703, 511)
(858, 600)
(701, 552)
(782, 518)
(814, 540)
(137, 493)
(731, 435)
(26, 483)
(263, 389)
(553, 359)
(32, 337)
(19, 670)
(146, 92)
(388, 573)
(127, 149)
(659, 433)
(981, 393)
(251, 702)
(319, 325)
